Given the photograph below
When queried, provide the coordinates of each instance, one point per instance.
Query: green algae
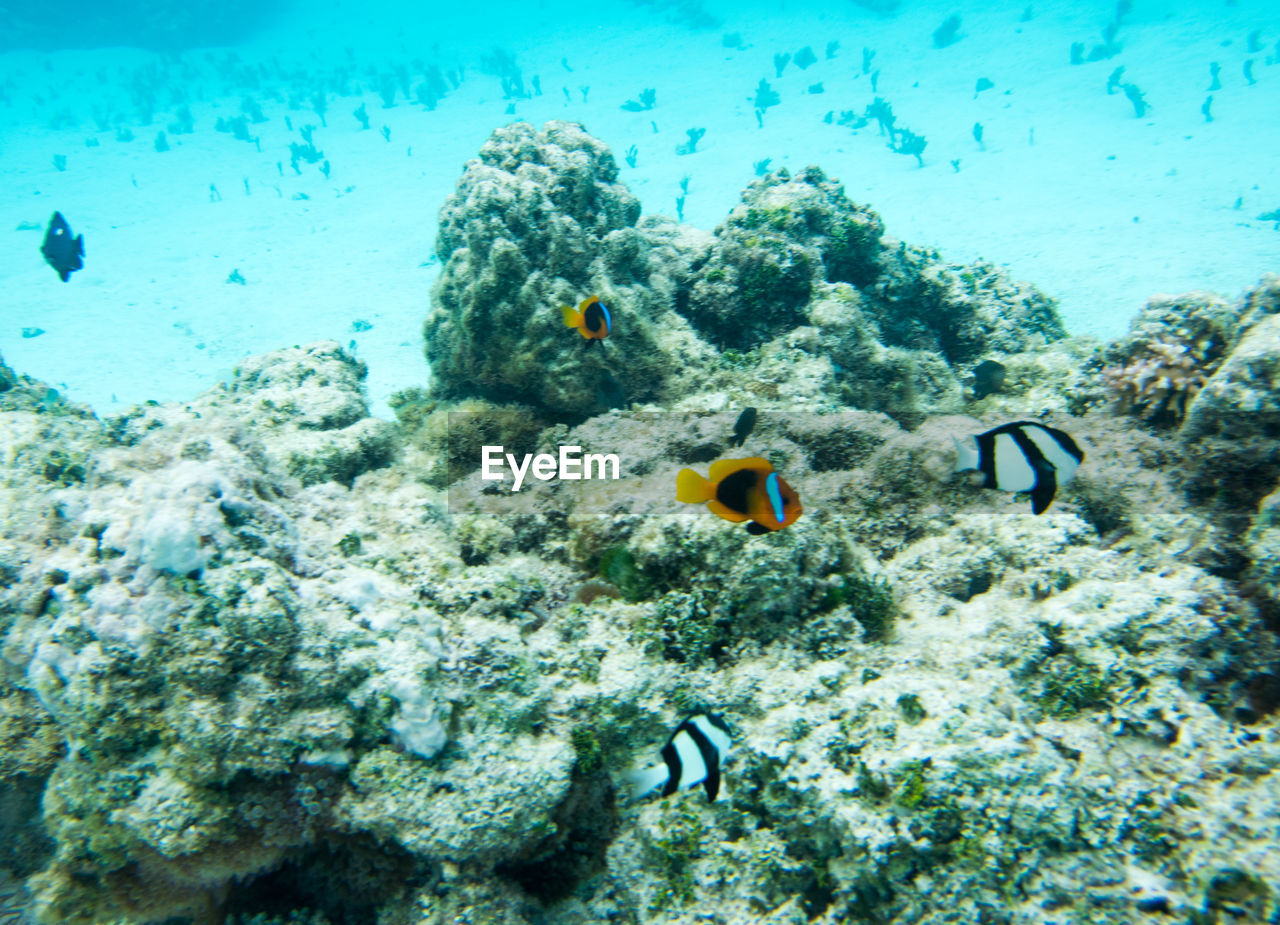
(673, 853)
(681, 628)
(65, 468)
(872, 786)
(617, 565)
(911, 786)
(587, 751)
(912, 709)
(871, 600)
(1070, 686)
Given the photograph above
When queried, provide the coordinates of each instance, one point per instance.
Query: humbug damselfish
(693, 755)
(1022, 456)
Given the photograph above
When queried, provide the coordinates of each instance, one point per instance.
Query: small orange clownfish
(743, 489)
(591, 318)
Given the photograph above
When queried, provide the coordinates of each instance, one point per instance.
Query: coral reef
(256, 666)
(1174, 345)
(539, 220)
(797, 282)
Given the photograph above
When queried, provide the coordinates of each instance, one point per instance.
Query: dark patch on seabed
(346, 880)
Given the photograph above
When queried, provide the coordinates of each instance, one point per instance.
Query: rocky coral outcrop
(1238, 397)
(206, 675)
(798, 290)
(787, 233)
(1173, 346)
(540, 220)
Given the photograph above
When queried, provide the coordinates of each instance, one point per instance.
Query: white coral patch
(417, 726)
(172, 522)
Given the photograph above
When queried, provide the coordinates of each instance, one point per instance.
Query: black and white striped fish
(693, 755)
(1022, 456)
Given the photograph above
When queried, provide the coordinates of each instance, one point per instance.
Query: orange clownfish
(743, 489)
(591, 318)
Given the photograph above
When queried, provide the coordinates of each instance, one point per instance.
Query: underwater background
(274, 647)
(1068, 187)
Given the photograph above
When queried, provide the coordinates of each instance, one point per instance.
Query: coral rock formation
(256, 667)
(798, 282)
(539, 220)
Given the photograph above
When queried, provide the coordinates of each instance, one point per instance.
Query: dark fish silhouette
(988, 379)
(742, 429)
(62, 251)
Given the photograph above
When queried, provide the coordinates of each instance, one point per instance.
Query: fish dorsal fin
(723, 467)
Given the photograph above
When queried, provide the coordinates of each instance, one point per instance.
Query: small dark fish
(988, 379)
(62, 251)
(693, 755)
(742, 429)
(1022, 456)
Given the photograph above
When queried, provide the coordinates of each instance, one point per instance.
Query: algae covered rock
(1241, 398)
(1173, 346)
(790, 235)
(206, 684)
(960, 311)
(787, 234)
(798, 287)
(540, 221)
(310, 398)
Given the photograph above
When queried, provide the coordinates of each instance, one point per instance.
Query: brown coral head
(1159, 382)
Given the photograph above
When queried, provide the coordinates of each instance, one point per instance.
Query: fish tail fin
(966, 453)
(80, 244)
(643, 782)
(572, 317)
(1045, 488)
(692, 488)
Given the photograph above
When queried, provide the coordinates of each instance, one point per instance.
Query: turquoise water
(900, 542)
(1068, 189)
